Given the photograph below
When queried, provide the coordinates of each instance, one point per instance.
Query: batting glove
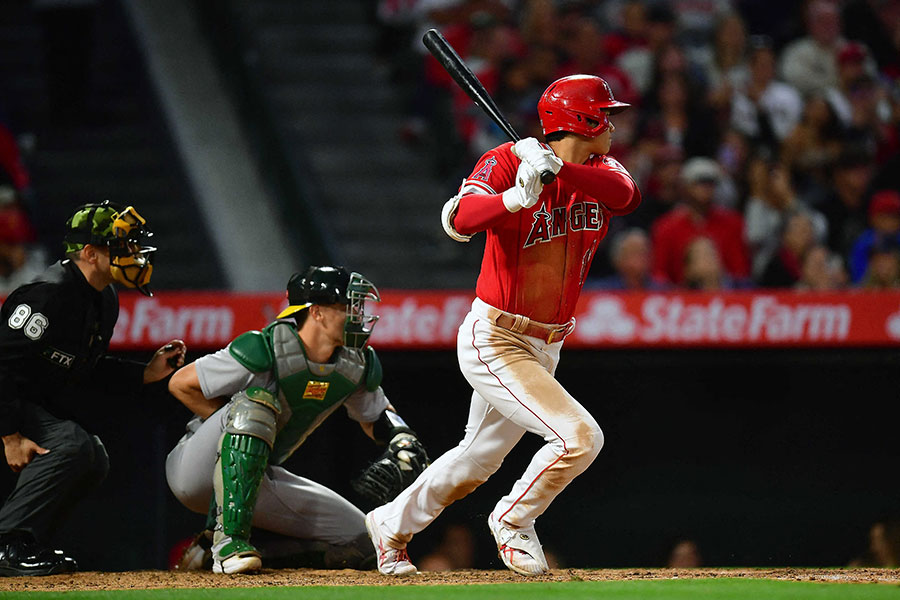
(538, 155)
(526, 190)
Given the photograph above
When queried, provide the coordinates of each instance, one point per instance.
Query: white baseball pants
(514, 392)
(287, 504)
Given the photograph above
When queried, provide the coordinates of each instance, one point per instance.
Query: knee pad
(254, 412)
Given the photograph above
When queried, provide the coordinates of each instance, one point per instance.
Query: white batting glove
(526, 190)
(538, 155)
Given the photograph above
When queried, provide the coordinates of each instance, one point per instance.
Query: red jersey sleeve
(606, 180)
(481, 204)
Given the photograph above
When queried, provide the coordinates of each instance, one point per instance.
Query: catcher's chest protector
(308, 392)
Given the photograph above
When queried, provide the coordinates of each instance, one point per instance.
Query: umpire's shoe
(21, 555)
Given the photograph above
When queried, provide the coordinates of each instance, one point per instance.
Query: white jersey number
(34, 324)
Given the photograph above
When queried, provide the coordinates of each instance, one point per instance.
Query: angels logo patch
(485, 171)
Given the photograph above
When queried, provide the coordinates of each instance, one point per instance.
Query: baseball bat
(441, 49)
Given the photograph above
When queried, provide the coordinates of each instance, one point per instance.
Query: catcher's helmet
(123, 231)
(335, 285)
(578, 104)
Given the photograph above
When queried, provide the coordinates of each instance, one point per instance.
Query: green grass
(694, 589)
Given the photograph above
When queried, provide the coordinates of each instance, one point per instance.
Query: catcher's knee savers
(254, 411)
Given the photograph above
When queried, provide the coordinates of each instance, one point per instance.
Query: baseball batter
(256, 402)
(541, 240)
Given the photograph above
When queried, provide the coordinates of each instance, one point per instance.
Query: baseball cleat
(391, 561)
(235, 555)
(519, 548)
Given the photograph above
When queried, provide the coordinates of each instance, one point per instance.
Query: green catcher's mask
(124, 232)
(335, 285)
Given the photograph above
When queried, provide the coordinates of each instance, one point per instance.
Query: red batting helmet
(579, 104)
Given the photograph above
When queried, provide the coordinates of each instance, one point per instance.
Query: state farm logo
(415, 322)
(149, 321)
(667, 318)
(607, 319)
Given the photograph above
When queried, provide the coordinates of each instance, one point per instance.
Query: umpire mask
(123, 231)
(130, 258)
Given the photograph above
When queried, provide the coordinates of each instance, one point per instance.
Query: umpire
(54, 336)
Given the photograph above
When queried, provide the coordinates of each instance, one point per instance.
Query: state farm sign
(676, 319)
(429, 319)
(202, 319)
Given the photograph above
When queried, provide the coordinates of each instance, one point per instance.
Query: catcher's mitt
(394, 470)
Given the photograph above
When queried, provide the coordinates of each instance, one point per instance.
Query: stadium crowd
(765, 140)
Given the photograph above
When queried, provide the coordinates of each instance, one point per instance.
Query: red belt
(519, 324)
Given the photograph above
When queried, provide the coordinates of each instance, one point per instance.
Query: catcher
(254, 404)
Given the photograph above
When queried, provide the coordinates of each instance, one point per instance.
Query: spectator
(883, 270)
(809, 64)
(703, 267)
(660, 188)
(491, 43)
(813, 146)
(586, 54)
(699, 216)
(875, 124)
(675, 114)
(844, 202)
(822, 271)
(639, 60)
(19, 264)
(12, 167)
(539, 23)
(523, 81)
(724, 61)
(784, 268)
(732, 155)
(697, 20)
(852, 69)
(884, 224)
(765, 110)
(877, 23)
(631, 257)
(629, 19)
(771, 204)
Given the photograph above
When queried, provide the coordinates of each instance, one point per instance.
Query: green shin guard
(239, 471)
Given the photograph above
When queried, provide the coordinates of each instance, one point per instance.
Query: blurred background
(260, 136)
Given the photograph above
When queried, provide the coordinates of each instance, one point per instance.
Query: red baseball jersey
(535, 260)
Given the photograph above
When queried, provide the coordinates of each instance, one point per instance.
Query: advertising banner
(420, 319)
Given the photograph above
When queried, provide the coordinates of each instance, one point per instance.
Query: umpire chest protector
(309, 392)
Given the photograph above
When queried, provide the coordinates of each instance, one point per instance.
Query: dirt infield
(142, 580)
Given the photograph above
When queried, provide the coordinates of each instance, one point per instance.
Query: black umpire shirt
(54, 335)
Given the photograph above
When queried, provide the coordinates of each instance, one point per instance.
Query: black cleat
(21, 555)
